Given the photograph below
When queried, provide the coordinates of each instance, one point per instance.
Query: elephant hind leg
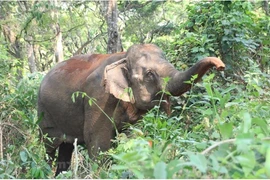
(64, 157)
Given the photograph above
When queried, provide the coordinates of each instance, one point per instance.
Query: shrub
(23, 154)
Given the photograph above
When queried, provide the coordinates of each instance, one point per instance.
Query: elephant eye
(150, 75)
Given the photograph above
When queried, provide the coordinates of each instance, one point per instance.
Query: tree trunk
(266, 6)
(59, 56)
(109, 11)
(58, 49)
(15, 48)
(31, 58)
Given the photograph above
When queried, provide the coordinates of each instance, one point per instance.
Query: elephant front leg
(98, 138)
(64, 157)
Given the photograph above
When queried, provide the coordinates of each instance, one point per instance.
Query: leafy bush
(233, 30)
(23, 154)
(233, 127)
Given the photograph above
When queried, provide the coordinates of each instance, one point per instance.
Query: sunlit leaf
(90, 102)
(73, 97)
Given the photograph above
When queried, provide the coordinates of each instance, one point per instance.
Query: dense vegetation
(219, 129)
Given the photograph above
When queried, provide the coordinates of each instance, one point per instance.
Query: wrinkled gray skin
(106, 78)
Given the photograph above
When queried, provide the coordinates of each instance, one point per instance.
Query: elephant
(125, 86)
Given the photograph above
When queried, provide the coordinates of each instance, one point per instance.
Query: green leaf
(243, 141)
(194, 77)
(195, 49)
(201, 49)
(33, 171)
(199, 161)
(214, 162)
(207, 112)
(166, 80)
(226, 130)
(73, 97)
(90, 102)
(246, 121)
(209, 78)
(23, 156)
(138, 174)
(160, 170)
(172, 168)
(201, 145)
(224, 99)
(231, 104)
(83, 94)
(208, 89)
(130, 92)
(262, 124)
(247, 161)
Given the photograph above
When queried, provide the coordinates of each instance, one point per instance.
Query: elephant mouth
(155, 101)
(143, 105)
(146, 104)
(160, 101)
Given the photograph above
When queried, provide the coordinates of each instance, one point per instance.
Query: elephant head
(138, 77)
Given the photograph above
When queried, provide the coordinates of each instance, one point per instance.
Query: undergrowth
(215, 131)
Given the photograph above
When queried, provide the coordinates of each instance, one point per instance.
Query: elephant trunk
(177, 84)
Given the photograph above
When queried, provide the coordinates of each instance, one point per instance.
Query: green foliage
(22, 148)
(228, 29)
(166, 149)
(146, 22)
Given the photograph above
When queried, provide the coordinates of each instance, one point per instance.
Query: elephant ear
(115, 81)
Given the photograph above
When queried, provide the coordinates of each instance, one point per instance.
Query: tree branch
(85, 44)
(209, 149)
(52, 38)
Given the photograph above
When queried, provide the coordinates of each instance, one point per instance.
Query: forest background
(220, 129)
